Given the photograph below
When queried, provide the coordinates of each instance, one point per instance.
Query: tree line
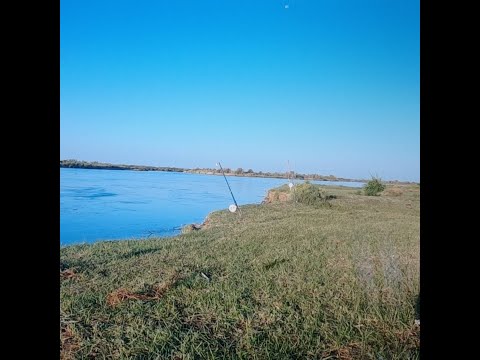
(228, 171)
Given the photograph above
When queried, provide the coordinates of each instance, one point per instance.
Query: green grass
(280, 281)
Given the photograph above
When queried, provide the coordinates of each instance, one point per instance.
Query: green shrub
(374, 187)
(310, 194)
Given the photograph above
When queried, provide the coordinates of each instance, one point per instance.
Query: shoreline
(70, 164)
(179, 229)
(204, 172)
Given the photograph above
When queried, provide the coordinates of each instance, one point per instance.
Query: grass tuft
(374, 187)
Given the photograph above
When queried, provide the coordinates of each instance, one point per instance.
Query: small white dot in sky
(286, 6)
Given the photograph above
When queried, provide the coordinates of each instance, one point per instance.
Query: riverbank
(276, 281)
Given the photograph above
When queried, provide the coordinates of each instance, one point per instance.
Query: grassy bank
(281, 281)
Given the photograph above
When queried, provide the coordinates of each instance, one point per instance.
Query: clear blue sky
(333, 86)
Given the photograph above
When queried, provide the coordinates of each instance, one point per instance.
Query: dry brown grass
(350, 351)
(393, 191)
(68, 274)
(275, 195)
(68, 343)
(154, 292)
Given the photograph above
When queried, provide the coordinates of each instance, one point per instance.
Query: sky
(329, 86)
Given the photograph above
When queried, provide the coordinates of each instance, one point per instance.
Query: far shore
(76, 164)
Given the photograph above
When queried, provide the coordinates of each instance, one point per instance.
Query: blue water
(121, 204)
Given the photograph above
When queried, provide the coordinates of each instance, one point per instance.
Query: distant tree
(250, 171)
(239, 171)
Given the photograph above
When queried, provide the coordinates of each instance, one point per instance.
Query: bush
(310, 194)
(374, 187)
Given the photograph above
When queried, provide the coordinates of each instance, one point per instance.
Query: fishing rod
(289, 173)
(231, 193)
(291, 185)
